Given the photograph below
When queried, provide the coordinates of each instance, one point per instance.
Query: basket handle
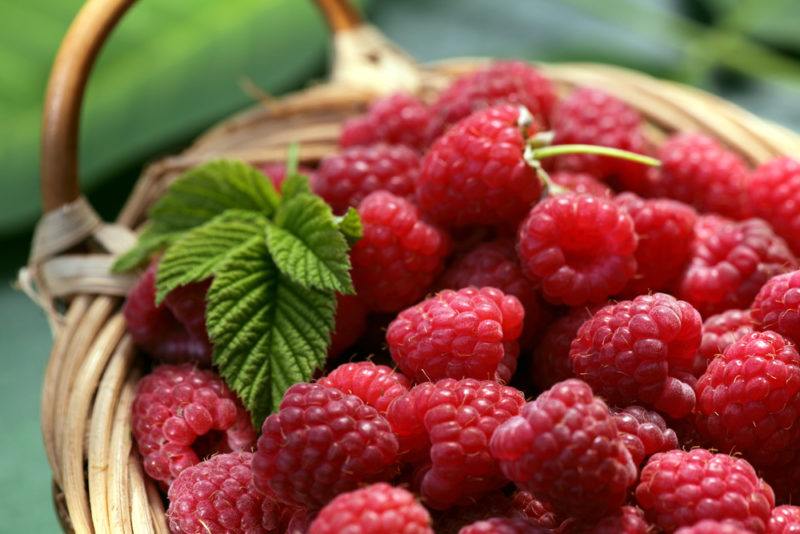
(68, 77)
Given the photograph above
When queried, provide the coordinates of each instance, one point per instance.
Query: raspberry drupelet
(376, 385)
(398, 119)
(774, 192)
(181, 414)
(322, 442)
(551, 361)
(644, 432)
(719, 332)
(580, 248)
(469, 333)
(633, 352)
(777, 305)
(785, 519)
(399, 255)
(564, 448)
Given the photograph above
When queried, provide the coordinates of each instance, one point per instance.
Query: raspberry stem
(559, 150)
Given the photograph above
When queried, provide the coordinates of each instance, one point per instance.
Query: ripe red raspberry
(709, 526)
(216, 495)
(626, 520)
(777, 305)
(644, 433)
(469, 333)
(680, 488)
(785, 520)
(551, 361)
(351, 323)
(564, 448)
(399, 256)
(581, 183)
(665, 229)
(276, 172)
(457, 418)
(579, 247)
(503, 82)
(748, 400)
(719, 332)
(174, 331)
(591, 116)
(376, 509)
(320, 443)
(774, 192)
(631, 352)
(182, 414)
(376, 385)
(697, 170)
(504, 525)
(730, 261)
(398, 119)
(475, 173)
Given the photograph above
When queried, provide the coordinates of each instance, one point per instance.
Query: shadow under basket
(98, 481)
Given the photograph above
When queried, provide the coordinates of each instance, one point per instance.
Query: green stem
(560, 150)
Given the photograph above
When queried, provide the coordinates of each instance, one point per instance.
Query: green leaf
(268, 331)
(307, 246)
(350, 225)
(293, 185)
(206, 191)
(198, 253)
(151, 240)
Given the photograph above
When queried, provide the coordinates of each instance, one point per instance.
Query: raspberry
(174, 331)
(564, 448)
(785, 520)
(536, 511)
(320, 443)
(665, 229)
(511, 82)
(697, 170)
(398, 119)
(719, 332)
(457, 418)
(627, 520)
(276, 172)
(631, 352)
(730, 262)
(181, 414)
(591, 116)
(376, 509)
(551, 361)
(397, 259)
(475, 173)
(351, 322)
(503, 525)
(777, 305)
(581, 183)
(469, 333)
(216, 495)
(376, 385)
(709, 526)
(680, 488)
(579, 247)
(644, 433)
(281, 518)
(344, 179)
(774, 192)
(748, 400)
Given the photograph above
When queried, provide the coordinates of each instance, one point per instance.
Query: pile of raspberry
(579, 345)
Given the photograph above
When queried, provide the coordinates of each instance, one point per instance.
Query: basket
(98, 481)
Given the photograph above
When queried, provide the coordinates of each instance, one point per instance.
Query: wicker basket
(99, 483)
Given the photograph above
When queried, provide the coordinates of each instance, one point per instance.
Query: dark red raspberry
(748, 400)
(581, 183)
(666, 230)
(503, 82)
(320, 443)
(182, 414)
(730, 262)
(457, 418)
(785, 520)
(276, 172)
(216, 495)
(398, 119)
(697, 170)
(719, 332)
(344, 179)
(680, 488)
(536, 511)
(644, 432)
(551, 361)
(469, 333)
(594, 117)
(376, 385)
(564, 448)
(376, 509)
(475, 174)
(774, 192)
(579, 247)
(174, 331)
(282, 518)
(351, 322)
(777, 305)
(626, 520)
(631, 352)
(399, 256)
(503, 525)
(709, 526)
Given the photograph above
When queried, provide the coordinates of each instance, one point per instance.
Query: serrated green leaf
(349, 224)
(206, 191)
(293, 185)
(307, 246)
(151, 240)
(268, 331)
(196, 254)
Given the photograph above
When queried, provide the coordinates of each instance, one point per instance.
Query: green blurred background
(176, 66)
